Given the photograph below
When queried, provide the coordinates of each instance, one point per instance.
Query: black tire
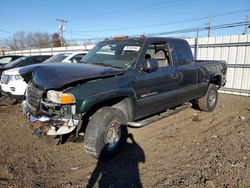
(96, 135)
(209, 101)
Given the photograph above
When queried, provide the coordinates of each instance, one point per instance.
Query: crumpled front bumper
(51, 126)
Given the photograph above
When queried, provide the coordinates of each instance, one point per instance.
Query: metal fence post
(196, 45)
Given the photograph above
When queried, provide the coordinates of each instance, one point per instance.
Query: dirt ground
(189, 149)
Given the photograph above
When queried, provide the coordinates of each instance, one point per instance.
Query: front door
(157, 90)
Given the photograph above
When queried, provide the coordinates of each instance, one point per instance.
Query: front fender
(92, 100)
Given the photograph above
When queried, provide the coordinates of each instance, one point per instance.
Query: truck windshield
(117, 54)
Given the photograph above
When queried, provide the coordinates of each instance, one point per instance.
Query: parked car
(7, 86)
(119, 83)
(68, 57)
(24, 61)
(12, 84)
(16, 86)
(8, 58)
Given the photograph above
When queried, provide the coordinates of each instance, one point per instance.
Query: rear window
(5, 60)
(183, 52)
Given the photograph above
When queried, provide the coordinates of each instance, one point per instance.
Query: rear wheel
(105, 133)
(209, 101)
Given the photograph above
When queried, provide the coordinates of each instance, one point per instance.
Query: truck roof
(147, 39)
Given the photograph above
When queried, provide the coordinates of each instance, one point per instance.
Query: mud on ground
(189, 149)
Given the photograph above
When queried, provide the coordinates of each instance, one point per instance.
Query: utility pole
(246, 26)
(209, 25)
(62, 23)
(197, 44)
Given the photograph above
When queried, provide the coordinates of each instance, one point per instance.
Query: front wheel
(209, 101)
(105, 133)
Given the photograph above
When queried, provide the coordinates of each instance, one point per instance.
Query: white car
(67, 57)
(13, 85)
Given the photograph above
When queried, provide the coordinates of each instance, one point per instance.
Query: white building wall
(235, 50)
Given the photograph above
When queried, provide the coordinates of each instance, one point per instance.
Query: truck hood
(58, 75)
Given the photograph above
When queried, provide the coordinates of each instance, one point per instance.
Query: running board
(158, 117)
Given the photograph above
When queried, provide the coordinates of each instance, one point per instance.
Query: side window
(108, 49)
(44, 58)
(160, 52)
(181, 49)
(150, 51)
(76, 58)
(31, 61)
(36, 60)
(28, 61)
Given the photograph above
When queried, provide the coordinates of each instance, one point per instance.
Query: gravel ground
(189, 149)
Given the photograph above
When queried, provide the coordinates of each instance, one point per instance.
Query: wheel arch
(216, 80)
(124, 99)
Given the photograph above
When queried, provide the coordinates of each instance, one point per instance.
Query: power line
(74, 33)
(167, 23)
(122, 10)
(8, 32)
(135, 10)
(190, 30)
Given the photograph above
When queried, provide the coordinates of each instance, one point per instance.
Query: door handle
(174, 75)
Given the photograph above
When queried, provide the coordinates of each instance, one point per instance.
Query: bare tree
(43, 40)
(21, 39)
(28, 40)
(11, 43)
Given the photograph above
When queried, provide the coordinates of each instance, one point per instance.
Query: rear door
(157, 90)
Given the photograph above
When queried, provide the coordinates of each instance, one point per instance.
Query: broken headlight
(60, 97)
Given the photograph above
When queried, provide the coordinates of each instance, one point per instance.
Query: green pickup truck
(120, 83)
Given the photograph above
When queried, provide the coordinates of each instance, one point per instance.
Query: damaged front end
(50, 112)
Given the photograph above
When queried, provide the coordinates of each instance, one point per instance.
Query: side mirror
(150, 65)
